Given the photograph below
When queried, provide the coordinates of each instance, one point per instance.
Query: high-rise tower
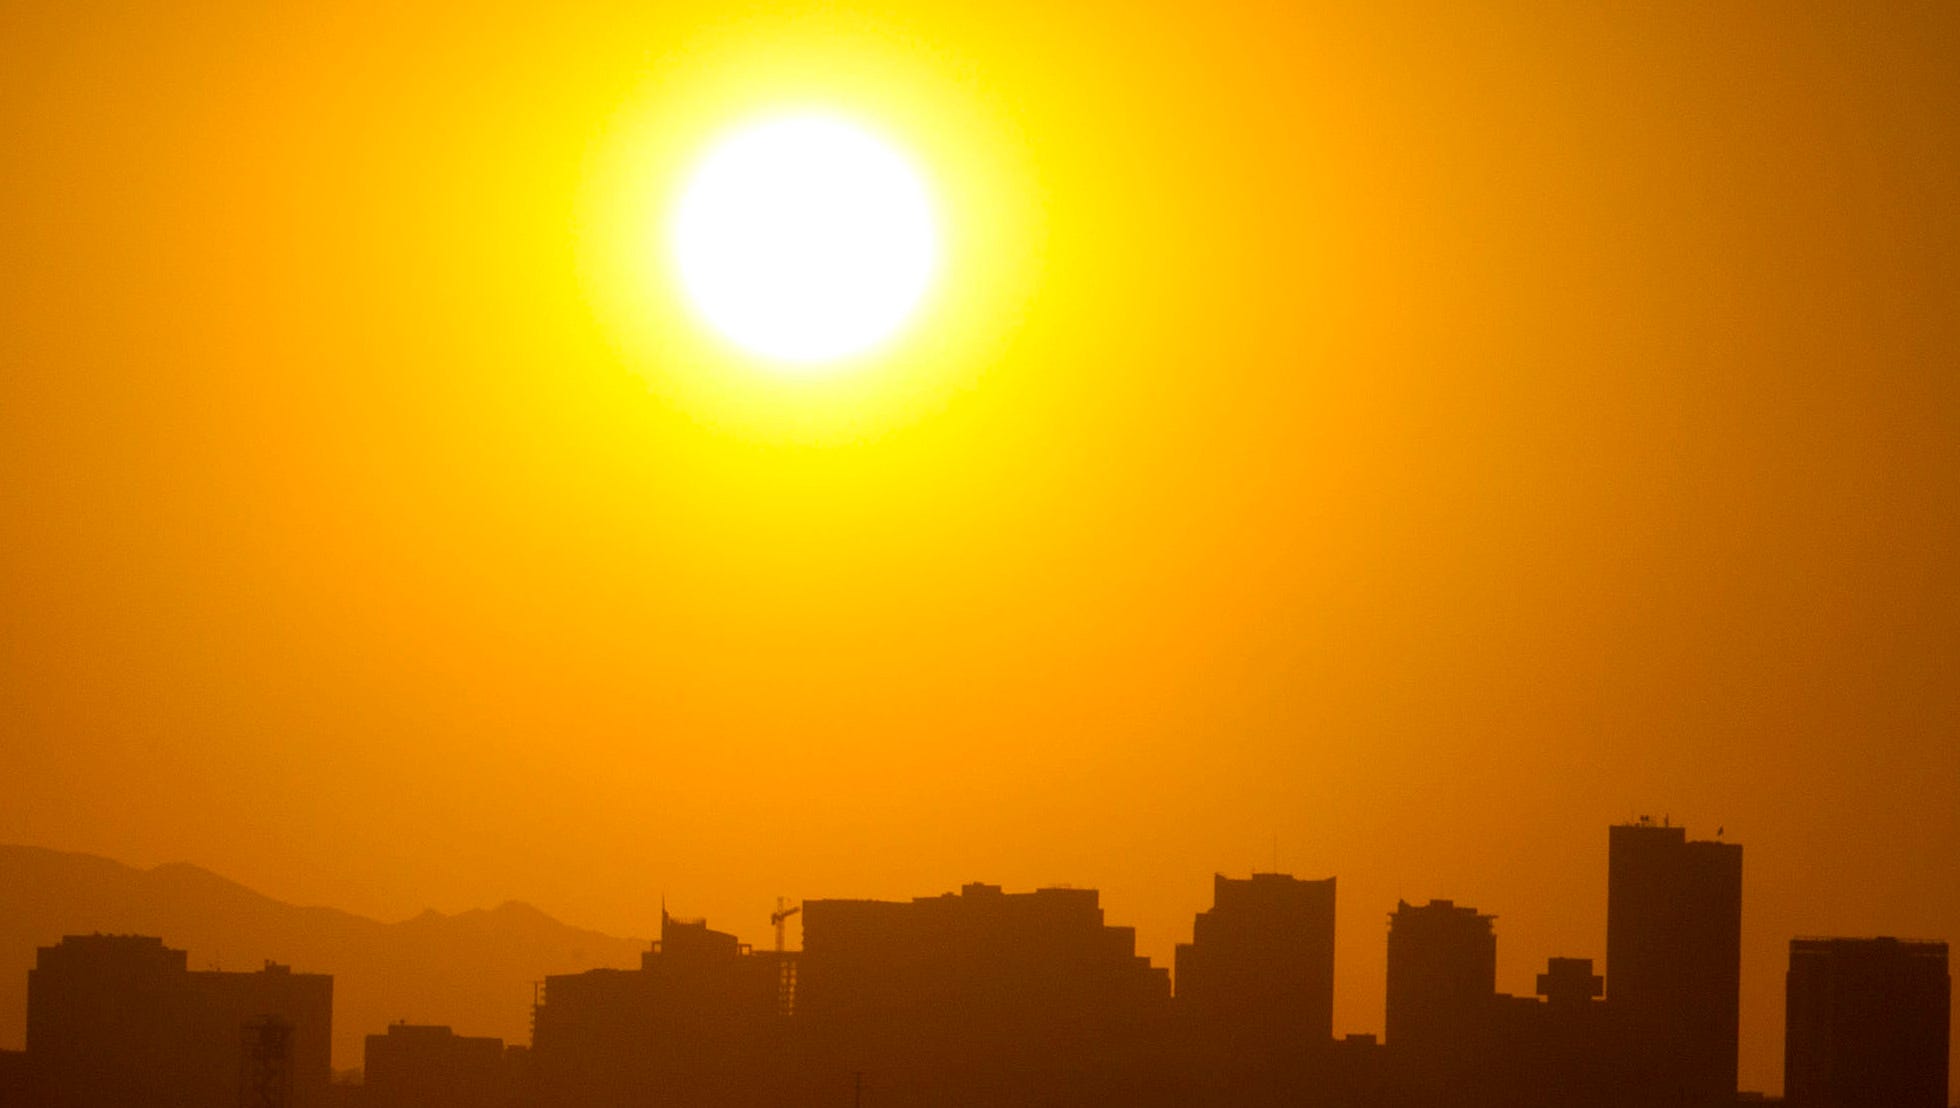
(1442, 989)
(1674, 962)
(1442, 975)
(1866, 1024)
(1261, 960)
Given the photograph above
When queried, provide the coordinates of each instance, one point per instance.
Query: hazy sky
(1424, 436)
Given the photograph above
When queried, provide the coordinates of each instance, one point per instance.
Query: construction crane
(785, 965)
(780, 917)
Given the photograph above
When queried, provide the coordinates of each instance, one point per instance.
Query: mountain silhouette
(473, 970)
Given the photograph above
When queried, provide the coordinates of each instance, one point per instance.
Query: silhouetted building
(117, 1020)
(346, 1091)
(1255, 992)
(1569, 984)
(414, 1066)
(984, 997)
(14, 1085)
(1454, 1039)
(1261, 959)
(1442, 976)
(1356, 1073)
(698, 1023)
(265, 1063)
(1674, 963)
(979, 997)
(1555, 1050)
(1866, 1024)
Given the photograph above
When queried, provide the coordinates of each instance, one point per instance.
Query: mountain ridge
(472, 970)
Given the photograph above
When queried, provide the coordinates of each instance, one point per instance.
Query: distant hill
(472, 970)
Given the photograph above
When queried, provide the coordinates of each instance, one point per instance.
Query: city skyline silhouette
(648, 461)
(987, 996)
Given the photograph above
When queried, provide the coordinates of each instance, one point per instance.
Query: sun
(805, 240)
(816, 241)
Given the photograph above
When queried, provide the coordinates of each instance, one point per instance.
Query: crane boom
(780, 917)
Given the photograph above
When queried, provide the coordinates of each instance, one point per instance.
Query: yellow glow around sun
(815, 235)
(805, 239)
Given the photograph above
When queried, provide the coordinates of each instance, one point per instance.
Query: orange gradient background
(1420, 436)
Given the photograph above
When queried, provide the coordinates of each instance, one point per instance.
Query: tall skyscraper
(1442, 975)
(1866, 1024)
(1442, 985)
(1261, 960)
(1674, 963)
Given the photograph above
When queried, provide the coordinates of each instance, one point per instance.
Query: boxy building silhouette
(1674, 964)
(1261, 960)
(1866, 1024)
(1552, 1050)
(421, 1066)
(119, 1020)
(1442, 982)
(1454, 1039)
(1255, 994)
(982, 996)
(698, 1023)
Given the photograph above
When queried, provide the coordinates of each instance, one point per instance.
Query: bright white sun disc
(805, 239)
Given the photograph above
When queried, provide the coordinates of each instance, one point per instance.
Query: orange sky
(1423, 436)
